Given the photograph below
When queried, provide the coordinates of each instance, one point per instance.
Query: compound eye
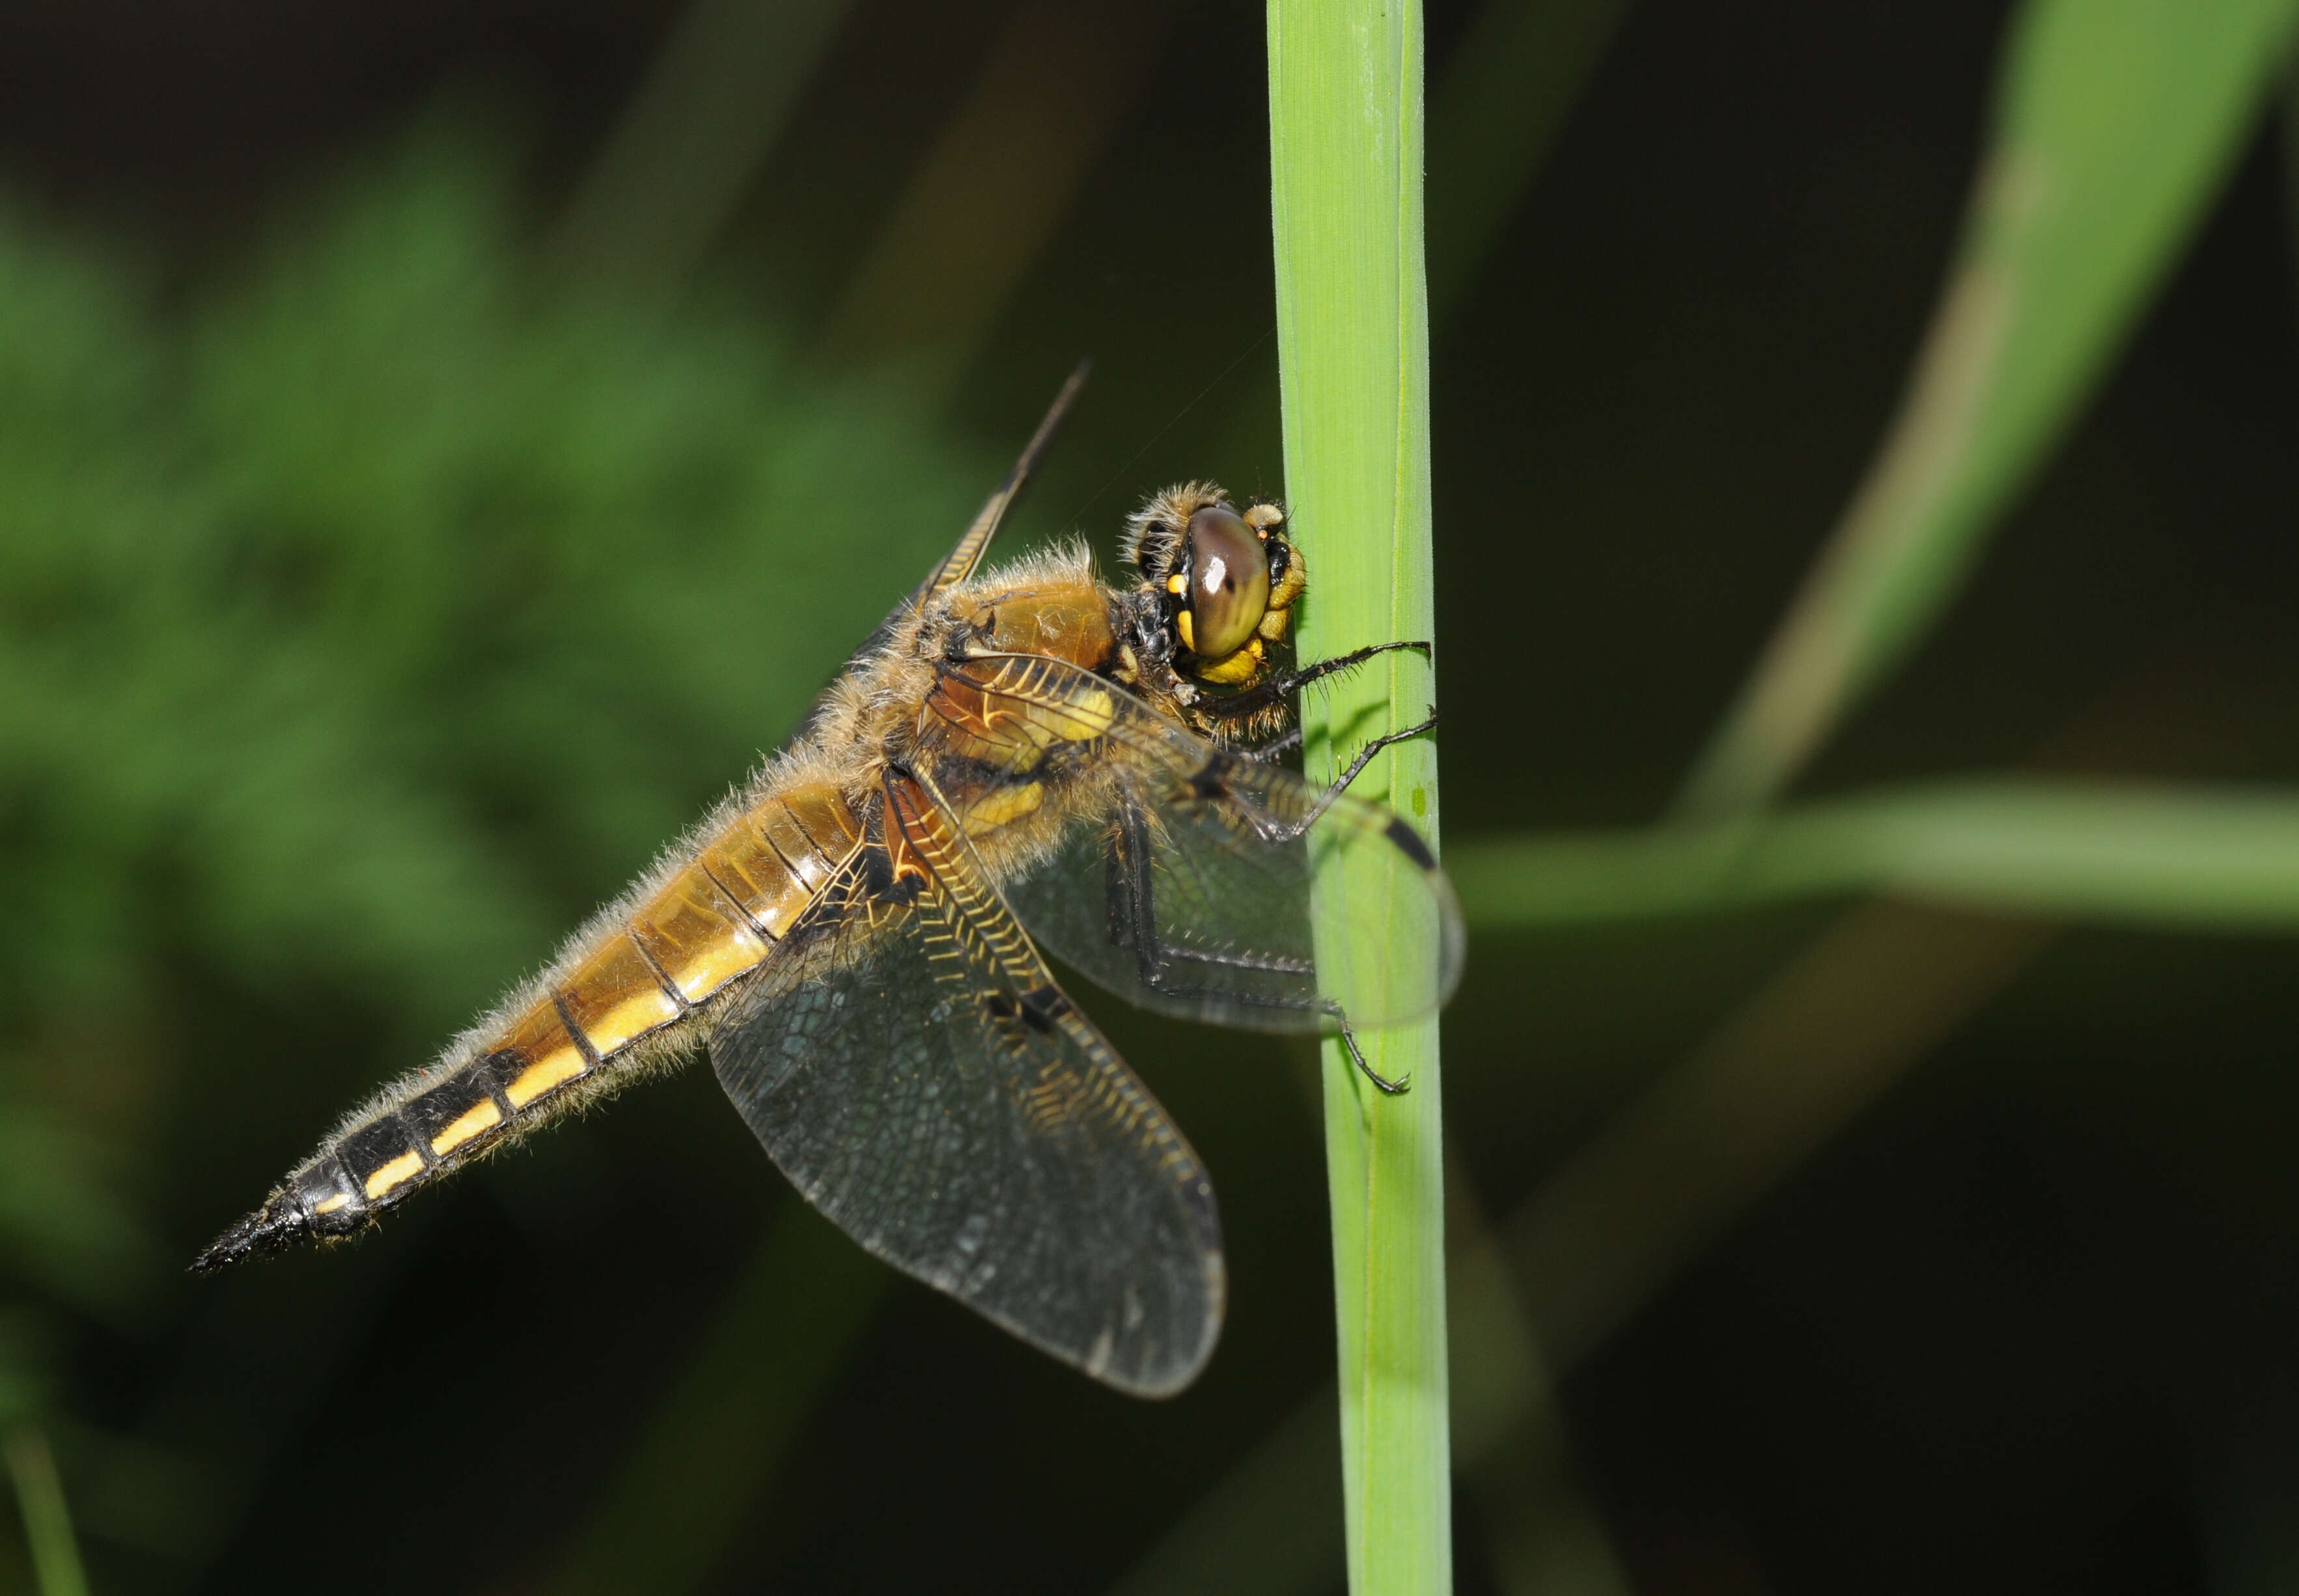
(1229, 581)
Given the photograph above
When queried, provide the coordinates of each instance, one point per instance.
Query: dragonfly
(1024, 758)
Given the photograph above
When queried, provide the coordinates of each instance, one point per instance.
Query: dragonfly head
(1226, 581)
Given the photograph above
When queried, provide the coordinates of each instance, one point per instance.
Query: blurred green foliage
(377, 604)
(368, 612)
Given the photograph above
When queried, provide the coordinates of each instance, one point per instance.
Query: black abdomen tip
(275, 1226)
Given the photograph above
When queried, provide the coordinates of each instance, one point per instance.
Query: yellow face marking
(483, 1115)
(537, 1079)
(1189, 633)
(331, 1204)
(1233, 670)
(1176, 585)
(398, 1172)
(1004, 806)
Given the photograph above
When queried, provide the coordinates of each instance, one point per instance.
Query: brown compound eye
(1229, 581)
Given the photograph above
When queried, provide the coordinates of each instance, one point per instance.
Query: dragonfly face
(1022, 758)
(1222, 584)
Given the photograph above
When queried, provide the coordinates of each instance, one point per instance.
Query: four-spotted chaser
(1029, 748)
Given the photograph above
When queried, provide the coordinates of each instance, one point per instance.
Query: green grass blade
(1345, 88)
(2117, 122)
(48, 1523)
(2161, 856)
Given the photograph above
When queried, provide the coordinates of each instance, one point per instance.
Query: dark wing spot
(881, 883)
(1210, 780)
(1409, 843)
(1041, 1006)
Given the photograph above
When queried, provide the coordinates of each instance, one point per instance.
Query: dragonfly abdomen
(612, 1003)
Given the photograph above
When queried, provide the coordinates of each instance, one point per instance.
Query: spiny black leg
(1289, 830)
(1365, 756)
(1287, 682)
(1270, 752)
(1304, 675)
(1382, 1082)
(1132, 923)
(1292, 740)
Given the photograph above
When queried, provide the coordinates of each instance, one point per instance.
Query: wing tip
(1163, 1378)
(1453, 939)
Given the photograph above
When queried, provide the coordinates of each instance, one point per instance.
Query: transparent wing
(1201, 884)
(966, 557)
(963, 560)
(914, 1071)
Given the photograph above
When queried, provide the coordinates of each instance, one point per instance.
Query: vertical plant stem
(48, 1524)
(1345, 98)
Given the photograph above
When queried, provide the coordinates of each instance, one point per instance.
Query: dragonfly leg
(1285, 684)
(1364, 755)
(1133, 923)
(1289, 682)
(1270, 753)
(1382, 1082)
(1286, 831)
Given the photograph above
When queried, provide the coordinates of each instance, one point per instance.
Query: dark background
(2025, 1324)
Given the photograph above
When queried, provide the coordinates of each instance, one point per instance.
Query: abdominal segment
(716, 918)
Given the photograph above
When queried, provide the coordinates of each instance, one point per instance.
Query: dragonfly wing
(965, 557)
(916, 1072)
(1206, 884)
(962, 562)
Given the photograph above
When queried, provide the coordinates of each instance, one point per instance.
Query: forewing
(916, 1072)
(965, 557)
(1200, 883)
(963, 560)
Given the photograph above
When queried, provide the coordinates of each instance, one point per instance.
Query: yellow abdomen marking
(697, 935)
(399, 1171)
(550, 1053)
(538, 1080)
(613, 997)
(482, 1116)
(775, 858)
(755, 875)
